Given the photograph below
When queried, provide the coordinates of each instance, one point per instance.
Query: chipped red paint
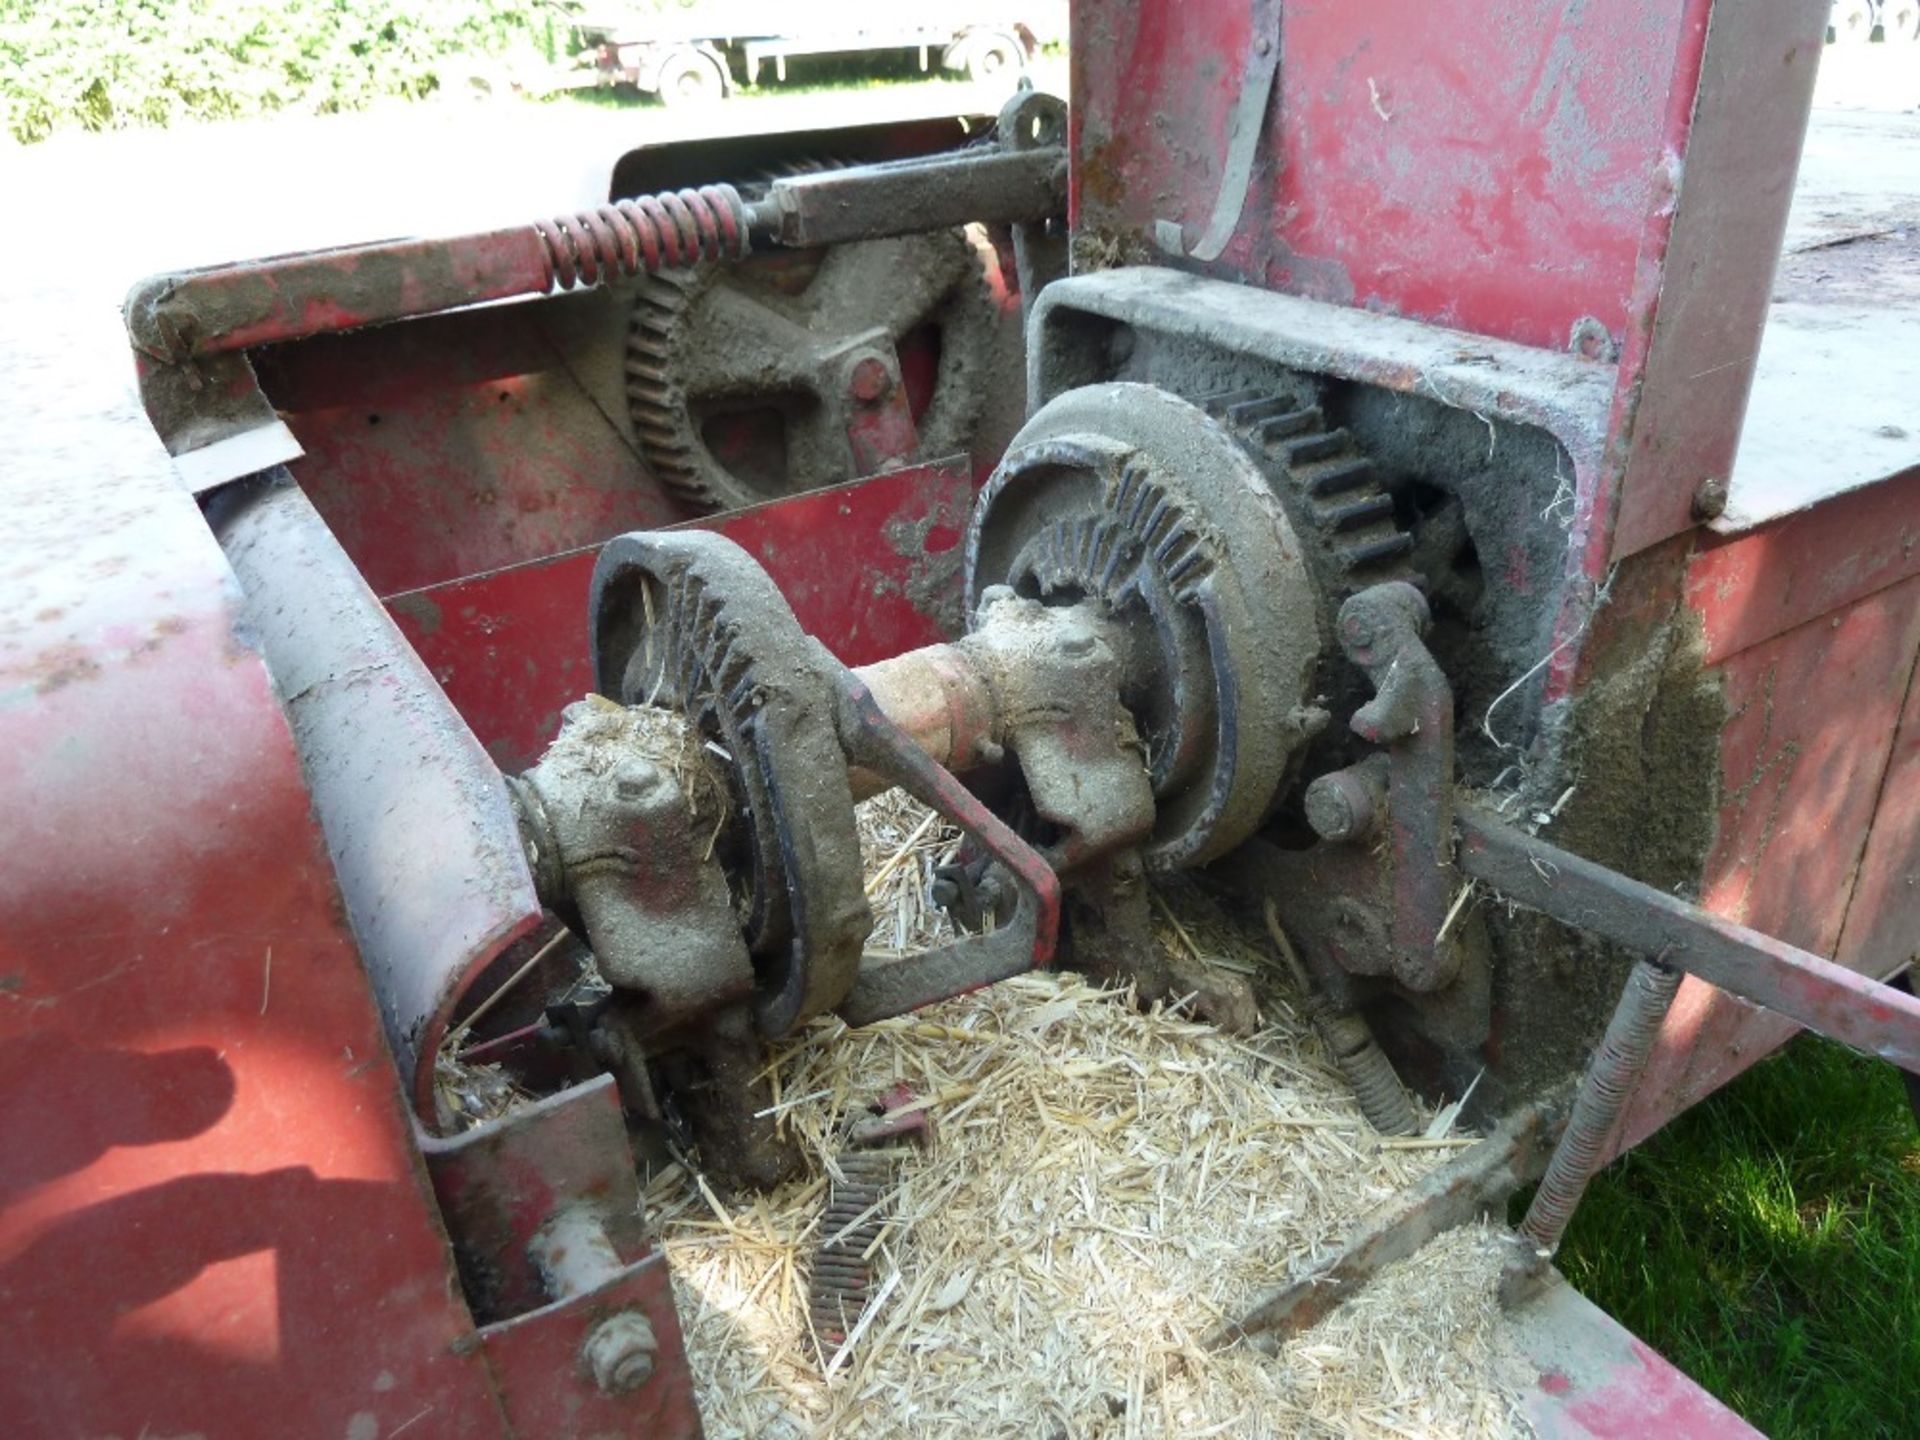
(1596, 1381)
(1819, 830)
(871, 568)
(196, 1100)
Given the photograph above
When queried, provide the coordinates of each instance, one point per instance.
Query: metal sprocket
(720, 339)
(1328, 486)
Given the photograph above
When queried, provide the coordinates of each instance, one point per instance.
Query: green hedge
(112, 64)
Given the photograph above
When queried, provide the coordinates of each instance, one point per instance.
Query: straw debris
(1105, 1187)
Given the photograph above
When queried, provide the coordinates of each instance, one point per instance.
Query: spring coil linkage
(674, 230)
(842, 1280)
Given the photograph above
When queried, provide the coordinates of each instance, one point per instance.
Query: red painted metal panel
(1596, 1381)
(211, 1213)
(458, 444)
(1485, 165)
(1763, 582)
(1882, 931)
(872, 568)
(1803, 757)
(1707, 263)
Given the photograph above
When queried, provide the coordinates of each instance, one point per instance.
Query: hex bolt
(621, 1352)
(1076, 643)
(871, 380)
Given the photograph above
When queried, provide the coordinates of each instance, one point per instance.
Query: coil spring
(842, 1278)
(674, 230)
(1603, 1094)
(1383, 1100)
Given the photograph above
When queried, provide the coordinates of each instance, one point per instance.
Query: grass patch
(1768, 1243)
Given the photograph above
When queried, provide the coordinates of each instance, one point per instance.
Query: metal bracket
(874, 743)
(1244, 130)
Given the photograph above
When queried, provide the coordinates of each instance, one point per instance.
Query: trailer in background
(707, 54)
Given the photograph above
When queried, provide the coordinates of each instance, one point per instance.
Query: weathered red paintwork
(1814, 621)
(510, 647)
(196, 1100)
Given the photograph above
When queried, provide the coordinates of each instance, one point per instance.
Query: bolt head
(871, 379)
(1339, 807)
(620, 1352)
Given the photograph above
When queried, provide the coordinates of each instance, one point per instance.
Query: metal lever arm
(874, 743)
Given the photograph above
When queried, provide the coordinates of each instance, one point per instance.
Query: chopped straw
(1105, 1187)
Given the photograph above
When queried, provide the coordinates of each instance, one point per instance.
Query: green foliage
(112, 64)
(1768, 1242)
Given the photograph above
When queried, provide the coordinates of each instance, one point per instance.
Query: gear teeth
(1329, 489)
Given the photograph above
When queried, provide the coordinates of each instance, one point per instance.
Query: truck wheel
(1900, 21)
(1852, 22)
(995, 55)
(691, 77)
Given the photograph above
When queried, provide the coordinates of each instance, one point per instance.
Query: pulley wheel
(1129, 496)
(690, 622)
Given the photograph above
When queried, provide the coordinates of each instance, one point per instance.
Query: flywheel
(730, 376)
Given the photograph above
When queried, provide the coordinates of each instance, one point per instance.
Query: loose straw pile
(1106, 1186)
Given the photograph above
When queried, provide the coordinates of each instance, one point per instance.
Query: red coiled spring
(670, 231)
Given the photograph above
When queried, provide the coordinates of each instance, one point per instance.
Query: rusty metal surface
(540, 1363)
(432, 899)
(503, 1183)
(1882, 929)
(1704, 278)
(511, 647)
(459, 444)
(1803, 987)
(1465, 1187)
(1024, 942)
(739, 383)
(174, 318)
(1395, 133)
(196, 1099)
(984, 185)
(1595, 1380)
(1767, 580)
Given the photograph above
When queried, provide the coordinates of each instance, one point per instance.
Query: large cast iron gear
(688, 621)
(1330, 489)
(751, 341)
(1130, 496)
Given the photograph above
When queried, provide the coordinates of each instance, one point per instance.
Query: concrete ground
(93, 213)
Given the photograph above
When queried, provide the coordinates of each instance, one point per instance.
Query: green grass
(1768, 1243)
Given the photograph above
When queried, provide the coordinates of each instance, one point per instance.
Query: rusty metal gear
(1329, 487)
(728, 384)
(689, 622)
(1127, 495)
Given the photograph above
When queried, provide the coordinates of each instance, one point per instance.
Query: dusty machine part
(1412, 715)
(1472, 1184)
(1349, 1040)
(1597, 1107)
(749, 382)
(840, 1283)
(688, 622)
(620, 817)
(983, 185)
(1132, 499)
(1033, 120)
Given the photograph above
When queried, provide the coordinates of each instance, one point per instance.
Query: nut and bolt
(1710, 498)
(621, 1352)
(871, 380)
